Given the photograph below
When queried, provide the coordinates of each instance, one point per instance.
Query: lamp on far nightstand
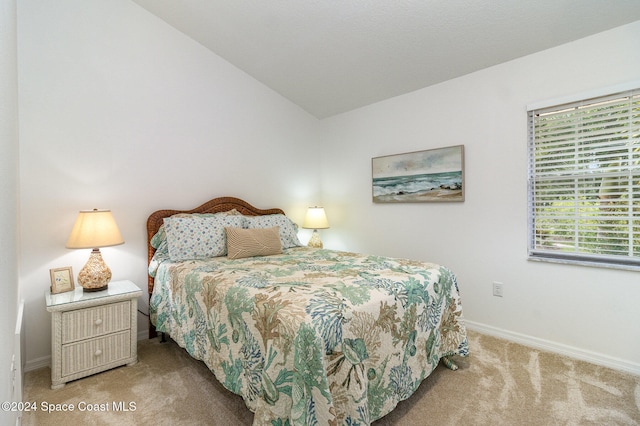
(94, 229)
(315, 219)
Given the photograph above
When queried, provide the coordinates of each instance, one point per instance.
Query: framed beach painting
(422, 176)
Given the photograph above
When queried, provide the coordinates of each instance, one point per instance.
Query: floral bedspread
(313, 336)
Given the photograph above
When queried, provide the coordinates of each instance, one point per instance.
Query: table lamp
(94, 229)
(315, 219)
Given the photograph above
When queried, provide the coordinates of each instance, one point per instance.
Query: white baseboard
(523, 339)
(559, 348)
(38, 363)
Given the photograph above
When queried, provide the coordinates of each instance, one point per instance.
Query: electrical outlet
(497, 289)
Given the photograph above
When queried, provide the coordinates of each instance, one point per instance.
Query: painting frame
(61, 280)
(431, 175)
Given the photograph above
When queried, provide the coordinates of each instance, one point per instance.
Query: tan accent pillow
(253, 242)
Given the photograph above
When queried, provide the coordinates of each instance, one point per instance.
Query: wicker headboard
(216, 205)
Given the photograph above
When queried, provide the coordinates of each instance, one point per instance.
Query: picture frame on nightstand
(61, 280)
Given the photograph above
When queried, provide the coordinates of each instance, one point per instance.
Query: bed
(305, 336)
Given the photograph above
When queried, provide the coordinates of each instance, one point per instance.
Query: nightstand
(92, 331)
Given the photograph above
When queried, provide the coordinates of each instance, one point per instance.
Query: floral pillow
(288, 229)
(159, 239)
(199, 236)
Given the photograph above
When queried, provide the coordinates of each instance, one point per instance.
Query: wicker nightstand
(92, 332)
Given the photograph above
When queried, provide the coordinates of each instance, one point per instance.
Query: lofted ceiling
(332, 56)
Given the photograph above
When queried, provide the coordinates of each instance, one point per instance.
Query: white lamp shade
(94, 229)
(315, 219)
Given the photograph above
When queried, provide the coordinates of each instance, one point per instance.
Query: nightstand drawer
(97, 321)
(92, 332)
(89, 354)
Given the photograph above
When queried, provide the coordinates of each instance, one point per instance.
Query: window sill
(583, 262)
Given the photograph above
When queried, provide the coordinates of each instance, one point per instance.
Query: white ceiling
(332, 56)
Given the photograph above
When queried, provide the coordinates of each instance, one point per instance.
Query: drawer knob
(98, 321)
(98, 352)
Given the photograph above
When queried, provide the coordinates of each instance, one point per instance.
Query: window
(584, 181)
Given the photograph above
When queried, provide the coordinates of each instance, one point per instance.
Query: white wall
(118, 110)
(9, 197)
(592, 312)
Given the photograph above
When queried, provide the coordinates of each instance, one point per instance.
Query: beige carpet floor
(500, 383)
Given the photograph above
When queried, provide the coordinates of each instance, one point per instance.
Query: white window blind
(584, 181)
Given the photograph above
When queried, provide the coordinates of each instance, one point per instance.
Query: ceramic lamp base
(315, 241)
(95, 275)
